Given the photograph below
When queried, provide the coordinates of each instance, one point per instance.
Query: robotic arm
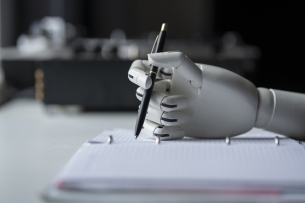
(204, 101)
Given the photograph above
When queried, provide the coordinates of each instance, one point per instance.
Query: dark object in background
(94, 85)
(101, 18)
(92, 72)
(6, 92)
(276, 27)
(96, 79)
(19, 73)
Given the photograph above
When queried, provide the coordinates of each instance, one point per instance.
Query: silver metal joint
(110, 139)
(158, 140)
(277, 140)
(228, 141)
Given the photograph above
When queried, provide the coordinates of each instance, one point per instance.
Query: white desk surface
(35, 145)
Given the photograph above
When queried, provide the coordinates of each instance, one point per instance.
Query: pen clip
(154, 44)
(153, 47)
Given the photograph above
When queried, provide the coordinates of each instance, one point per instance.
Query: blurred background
(78, 52)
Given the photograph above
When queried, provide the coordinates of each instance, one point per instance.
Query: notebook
(251, 164)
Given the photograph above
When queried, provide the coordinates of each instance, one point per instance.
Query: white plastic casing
(155, 100)
(265, 109)
(181, 118)
(181, 62)
(281, 112)
(225, 105)
(191, 72)
(152, 129)
(179, 100)
(137, 75)
(174, 132)
(159, 98)
(149, 128)
(221, 103)
(173, 118)
(154, 114)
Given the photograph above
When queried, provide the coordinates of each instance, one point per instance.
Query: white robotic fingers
(137, 74)
(165, 73)
(162, 117)
(174, 118)
(155, 100)
(174, 102)
(166, 59)
(154, 114)
(169, 133)
(181, 62)
(164, 132)
(163, 102)
(224, 105)
(162, 86)
(166, 118)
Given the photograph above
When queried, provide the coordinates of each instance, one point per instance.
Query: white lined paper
(129, 163)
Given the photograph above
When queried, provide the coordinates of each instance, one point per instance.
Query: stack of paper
(186, 165)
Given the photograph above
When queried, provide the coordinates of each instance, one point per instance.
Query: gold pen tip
(164, 27)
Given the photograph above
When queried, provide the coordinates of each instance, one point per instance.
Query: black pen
(152, 74)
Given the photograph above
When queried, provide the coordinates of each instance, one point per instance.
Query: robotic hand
(204, 101)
